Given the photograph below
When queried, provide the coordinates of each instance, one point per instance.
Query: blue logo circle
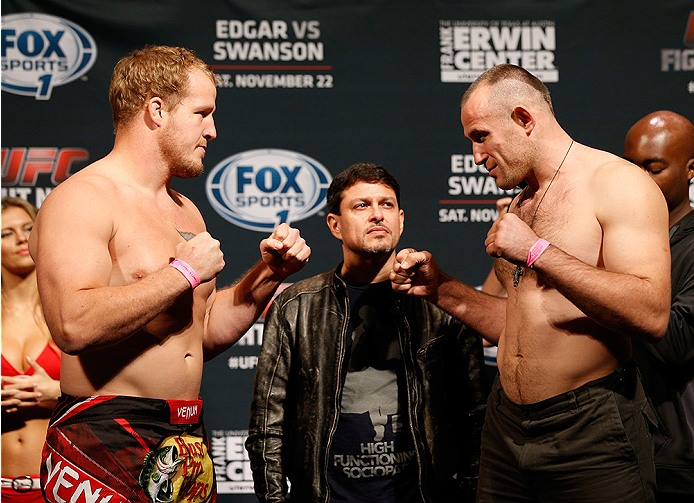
(260, 189)
(40, 52)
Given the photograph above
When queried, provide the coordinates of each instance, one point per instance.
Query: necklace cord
(518, 271)
(532, 221)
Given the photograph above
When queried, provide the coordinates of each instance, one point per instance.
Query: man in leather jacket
(362, 393)
(662, 143)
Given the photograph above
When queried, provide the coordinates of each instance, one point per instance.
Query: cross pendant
(517, 273)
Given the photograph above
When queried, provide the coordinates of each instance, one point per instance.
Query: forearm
(96, 317)
(623, 303)
(236, 308)
(486, 314)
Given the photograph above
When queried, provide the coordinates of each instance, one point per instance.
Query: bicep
(635, 226)
(72, 245)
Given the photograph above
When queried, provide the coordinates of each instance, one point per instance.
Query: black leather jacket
(297, 393)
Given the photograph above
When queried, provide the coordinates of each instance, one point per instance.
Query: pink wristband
(187, 271)
(536, 250)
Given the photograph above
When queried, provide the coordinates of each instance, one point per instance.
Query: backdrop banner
(307, 88)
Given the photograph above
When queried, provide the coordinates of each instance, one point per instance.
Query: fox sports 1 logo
(40, 52)
(260, 189)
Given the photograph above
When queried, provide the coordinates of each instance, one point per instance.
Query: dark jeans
(591, 444)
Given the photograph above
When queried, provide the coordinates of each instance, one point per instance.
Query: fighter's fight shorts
(125, 449)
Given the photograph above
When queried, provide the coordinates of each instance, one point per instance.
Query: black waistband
(119, 406)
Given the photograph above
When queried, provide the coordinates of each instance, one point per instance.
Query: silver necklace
(518, 271)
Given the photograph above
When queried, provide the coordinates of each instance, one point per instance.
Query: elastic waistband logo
(185, 411)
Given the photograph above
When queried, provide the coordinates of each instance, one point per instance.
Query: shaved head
(666, 128)
(662, 143)
(511, 83)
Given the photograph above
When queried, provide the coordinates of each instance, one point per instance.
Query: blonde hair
(152, 71)
(18, 202)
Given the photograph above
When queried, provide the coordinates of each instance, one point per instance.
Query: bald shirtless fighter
(585, 263)
(126, 274)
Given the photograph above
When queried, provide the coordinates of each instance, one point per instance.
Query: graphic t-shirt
(372, 457)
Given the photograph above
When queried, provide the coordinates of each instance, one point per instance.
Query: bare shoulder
(83, 188)
(616, 169)
(84, 202)
(622, 190)
(612, 178)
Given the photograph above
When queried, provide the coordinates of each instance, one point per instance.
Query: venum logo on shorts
(40, 52)
(260, 189)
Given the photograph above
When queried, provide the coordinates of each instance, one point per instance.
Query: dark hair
(360, 172)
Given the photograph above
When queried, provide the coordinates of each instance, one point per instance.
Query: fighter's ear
(690, 169)
(524, 118)
(154, 110)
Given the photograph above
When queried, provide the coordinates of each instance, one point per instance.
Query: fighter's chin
(190, 171)
(505, 184)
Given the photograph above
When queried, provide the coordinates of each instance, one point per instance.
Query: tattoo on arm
(186, 235)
